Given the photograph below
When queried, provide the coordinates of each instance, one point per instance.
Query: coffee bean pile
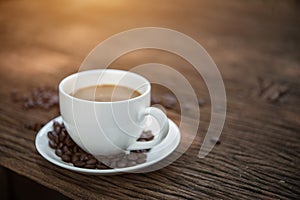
(270, 91)
(40, 97)
(70, 152)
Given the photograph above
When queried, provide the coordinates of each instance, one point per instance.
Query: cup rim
(64, 80)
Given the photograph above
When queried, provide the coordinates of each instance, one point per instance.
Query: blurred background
(44, 41)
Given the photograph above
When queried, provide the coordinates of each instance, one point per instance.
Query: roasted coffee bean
(58, 152)
(60, 145)
(142, 155)
(70, 152)
(56, 140)
(91, 162)
(52, 144)
(66, 158)
(75, 158)
(50, 135)
(122, 163)
(132, 156)
(90, 166)
(131, 163)
(79, 163)
(62, 136)
(69, 142)
(168, 100)
(65, 148)
(90, 156)
(155, 100)
(77, 154)
(101, 166)
(113, 164)
(141, 160)
(55, 123)
(83, 156)
(75, 149)
(57, 129)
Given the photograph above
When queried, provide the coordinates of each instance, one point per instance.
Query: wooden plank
(258, 157)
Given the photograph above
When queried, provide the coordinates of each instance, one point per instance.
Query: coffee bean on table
(169, 100)
(155, 100)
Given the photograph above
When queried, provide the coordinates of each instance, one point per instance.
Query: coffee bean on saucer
(60, 145)
(132, 156)
(57, 129)
(50, 135)
(58, 152)
(66, 157)
(79, 163)
(122, 163)
(91, 162)
(62, 135)
(101, 166)
(141, 160)
(75, 158)
(56, 139)
(90, 166)
(75, 149)
(142, 155)
(69, 142)
(70, 152)
(131, 163)
(52, 144)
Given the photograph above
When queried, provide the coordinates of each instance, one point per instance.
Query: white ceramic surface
(106, 128)
(156, 154)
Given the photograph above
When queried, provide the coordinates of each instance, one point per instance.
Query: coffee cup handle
(163, 122)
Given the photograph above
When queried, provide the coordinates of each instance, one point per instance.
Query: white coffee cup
(108, 128)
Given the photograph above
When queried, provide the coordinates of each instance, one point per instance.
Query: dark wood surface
(250, 41)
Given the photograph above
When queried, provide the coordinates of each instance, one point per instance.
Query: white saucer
(155, 155)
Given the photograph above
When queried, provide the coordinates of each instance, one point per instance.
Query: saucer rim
(42, 133)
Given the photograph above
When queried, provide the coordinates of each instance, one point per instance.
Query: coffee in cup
(105, 93)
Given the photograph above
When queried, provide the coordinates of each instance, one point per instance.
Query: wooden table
(259, 153)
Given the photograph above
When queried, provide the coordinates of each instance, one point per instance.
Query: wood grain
(259, 153)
